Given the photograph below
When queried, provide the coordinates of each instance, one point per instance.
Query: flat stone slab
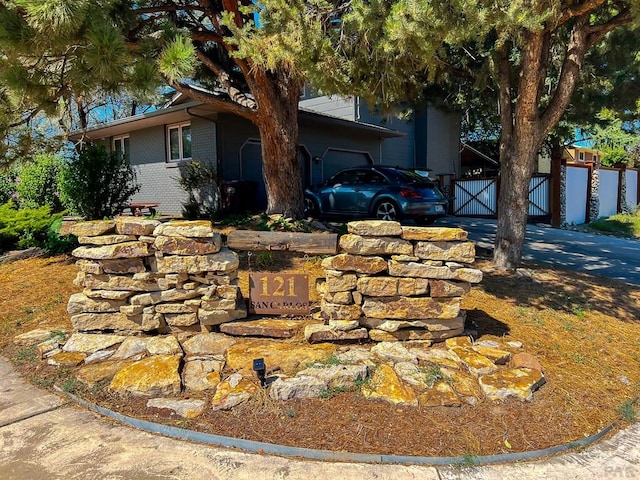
(201, 375)
(411, 308)
(185, 228)
(355, 263)
(300, 386)
(224, 261)
(325, 333)
(519, 383)
(92, 228)
(106, 239)
(464, 252)
(433, 234)
(32, 337)
(375, 228)
(207, 344)
(156, 375)
(336, 375)
(440, 395)
(91, 342)
(233, 391)
(66, 359)
(20, 400)
(359, 245)
(274, 328)
(188, 246)
(99, 372)
(135, 226)
(288, 356)
(182, 408)
(386, 385)
(119, 250)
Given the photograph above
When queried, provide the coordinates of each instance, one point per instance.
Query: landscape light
(261, 370)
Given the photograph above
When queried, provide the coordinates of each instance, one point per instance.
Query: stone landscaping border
(327, 455)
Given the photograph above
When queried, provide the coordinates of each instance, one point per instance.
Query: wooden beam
(310, 243)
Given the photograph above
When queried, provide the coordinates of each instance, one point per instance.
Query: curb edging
(328, 455)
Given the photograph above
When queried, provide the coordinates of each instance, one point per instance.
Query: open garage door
(335, 160)
(251, 169)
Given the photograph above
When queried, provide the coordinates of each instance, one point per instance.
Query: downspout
(219, 201)
(218, 161)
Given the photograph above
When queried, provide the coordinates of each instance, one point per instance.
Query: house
(430, 140)
(157, 143)
(579, 155)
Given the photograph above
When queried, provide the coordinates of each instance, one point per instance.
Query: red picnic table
(137, 208)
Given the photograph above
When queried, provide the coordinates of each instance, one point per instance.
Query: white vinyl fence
(631, 196)
(608, 192)
(576, 194)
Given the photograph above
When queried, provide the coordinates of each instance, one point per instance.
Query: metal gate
(478, 197)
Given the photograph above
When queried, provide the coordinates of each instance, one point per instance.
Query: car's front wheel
(386, 210)
(310, 207)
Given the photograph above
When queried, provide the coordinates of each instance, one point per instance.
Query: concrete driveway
(600, 255)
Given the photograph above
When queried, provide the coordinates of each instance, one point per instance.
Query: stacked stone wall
(393, 282)
(140, 275)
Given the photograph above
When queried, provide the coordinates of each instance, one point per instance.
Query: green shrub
(97, 184)
(55, 244)
(38, 185)
(199, 180)
(24, 228)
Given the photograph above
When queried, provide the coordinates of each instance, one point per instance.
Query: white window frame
(179, 127)
(121, 138)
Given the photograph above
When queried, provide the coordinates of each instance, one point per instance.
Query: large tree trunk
(277, 121)
(515, 173)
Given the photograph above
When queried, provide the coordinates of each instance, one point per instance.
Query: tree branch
(232, 6)
(215, 100)
(26, 119)
(569, 75)
(579, 10)
(598, 32)
(235, 94)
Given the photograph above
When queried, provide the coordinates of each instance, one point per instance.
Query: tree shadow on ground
(570, 292)
(485, 324)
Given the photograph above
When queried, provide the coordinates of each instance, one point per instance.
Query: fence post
(621, 206)
(587, 216)
(556, 192)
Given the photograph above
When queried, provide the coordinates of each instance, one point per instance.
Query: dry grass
(584, 330)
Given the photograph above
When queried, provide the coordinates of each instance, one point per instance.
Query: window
(581, 156)
(179, 142)
(121, 146)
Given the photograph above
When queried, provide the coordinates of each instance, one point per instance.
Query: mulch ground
(584, 330)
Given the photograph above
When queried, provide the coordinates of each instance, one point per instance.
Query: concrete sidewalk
(42, 436)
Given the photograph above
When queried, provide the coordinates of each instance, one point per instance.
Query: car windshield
(407, 177)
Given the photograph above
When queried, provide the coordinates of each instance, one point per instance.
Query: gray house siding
(443, 142)
(332, 148)
(324, 149)
(344, 108)
(158, 178)
(395, 151)
(431, 137)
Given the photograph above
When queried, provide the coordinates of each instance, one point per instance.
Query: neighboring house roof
(466, 146)
(179, 111)
(571, 152)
